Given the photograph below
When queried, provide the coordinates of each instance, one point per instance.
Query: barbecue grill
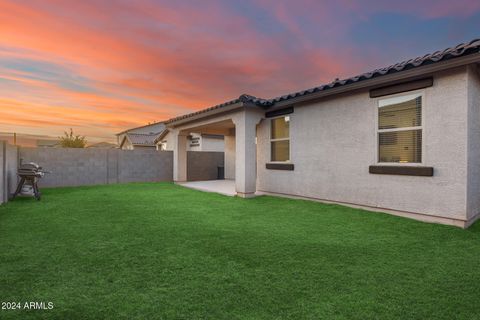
(29, 174)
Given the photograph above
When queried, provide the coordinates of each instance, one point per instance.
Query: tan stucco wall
(169, 141)
(473, 186)
(229, 157)
(127, 145)
(205, 143)
(333, 142)
(212, 144)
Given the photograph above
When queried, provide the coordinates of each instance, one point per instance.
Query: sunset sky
(104, 66)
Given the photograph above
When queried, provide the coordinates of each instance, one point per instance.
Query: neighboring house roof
(103, 145)
(141, 127)
(162, 135)
(48, 143)
(460, 50)
(140, 139)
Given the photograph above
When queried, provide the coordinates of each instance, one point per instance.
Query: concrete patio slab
(225, 187)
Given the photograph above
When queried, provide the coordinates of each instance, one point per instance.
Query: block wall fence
(80, 167)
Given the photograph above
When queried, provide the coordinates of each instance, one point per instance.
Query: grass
(160, 251)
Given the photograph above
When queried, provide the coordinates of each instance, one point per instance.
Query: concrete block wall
(144, 165)
(77, 167)
(203, 165)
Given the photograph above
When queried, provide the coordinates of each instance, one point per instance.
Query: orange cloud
(102, 67)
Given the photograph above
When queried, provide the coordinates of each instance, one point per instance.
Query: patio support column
(246, 152)
(180, 157)
(229, 152)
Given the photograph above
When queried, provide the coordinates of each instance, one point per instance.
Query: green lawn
(160, 251)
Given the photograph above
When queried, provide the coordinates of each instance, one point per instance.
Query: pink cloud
(151, 60)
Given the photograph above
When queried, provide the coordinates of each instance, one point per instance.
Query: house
(403, 139)
(133, 141)
(140, 137)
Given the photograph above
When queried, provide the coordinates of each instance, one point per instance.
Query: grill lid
(30, 169)
(32, 166)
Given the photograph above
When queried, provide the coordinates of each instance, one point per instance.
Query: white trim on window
(398, 98)
(280, 139)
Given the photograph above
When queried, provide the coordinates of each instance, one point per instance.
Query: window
(280, 139)
(400, 129)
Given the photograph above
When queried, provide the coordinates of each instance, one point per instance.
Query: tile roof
(140, 127)
(460, 50)
(142, 138)
(218, 106)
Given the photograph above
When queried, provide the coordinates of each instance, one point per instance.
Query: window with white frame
(399, 130)
(280, 139)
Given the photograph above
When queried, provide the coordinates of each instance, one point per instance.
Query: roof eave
(206, 114)
(161, 136)
(384, 80)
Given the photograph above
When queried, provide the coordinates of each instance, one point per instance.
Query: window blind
(400, 129)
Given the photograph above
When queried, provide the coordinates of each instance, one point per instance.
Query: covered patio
(238, 124)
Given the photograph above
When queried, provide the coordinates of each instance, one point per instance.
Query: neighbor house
(404, 139)
(45, 143)
(140, 137)
(133, 141)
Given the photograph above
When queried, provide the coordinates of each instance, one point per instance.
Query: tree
(69, 140)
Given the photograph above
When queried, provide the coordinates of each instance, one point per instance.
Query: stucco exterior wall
(230, 157)
(11, 167)
(205, 143)
(3, 180)
(200, 142)
(194, 142)
(473, 185)
(8, 170)
(333, 143)
(212, 144)
(127, 145)
(167, 141)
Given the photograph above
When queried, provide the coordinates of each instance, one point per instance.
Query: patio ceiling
(224, 127)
